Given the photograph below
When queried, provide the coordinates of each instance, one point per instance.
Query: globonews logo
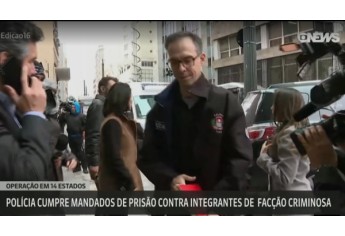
(318, 37)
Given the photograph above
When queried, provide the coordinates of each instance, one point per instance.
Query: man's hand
(72, 164)
(318, 147)
(181, 179)
(93, 172)
(33, 98)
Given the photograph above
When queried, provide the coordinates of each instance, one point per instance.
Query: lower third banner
(170, 203)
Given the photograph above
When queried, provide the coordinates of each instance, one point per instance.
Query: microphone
(305, 111)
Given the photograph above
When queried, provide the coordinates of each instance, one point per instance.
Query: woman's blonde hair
(287, 101)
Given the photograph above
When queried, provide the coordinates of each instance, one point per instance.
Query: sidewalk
(69, 176)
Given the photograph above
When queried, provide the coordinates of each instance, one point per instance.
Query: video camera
(66, 106)
(327, 92)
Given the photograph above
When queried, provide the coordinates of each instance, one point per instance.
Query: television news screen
(244, 52)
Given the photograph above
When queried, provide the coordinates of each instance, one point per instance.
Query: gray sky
(80, 40)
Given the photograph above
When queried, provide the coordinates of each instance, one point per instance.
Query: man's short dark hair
(104, 81)
(15, 35)
(184, 34)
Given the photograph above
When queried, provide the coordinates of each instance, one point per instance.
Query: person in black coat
(94, 120)
(24, 130)
(195, 133)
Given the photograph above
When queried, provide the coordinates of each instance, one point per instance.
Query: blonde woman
(286, 168)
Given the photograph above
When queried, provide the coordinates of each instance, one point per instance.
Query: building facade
(202, 29)
(273, 65)
(48, 49)
(140, 52)
(62, 85)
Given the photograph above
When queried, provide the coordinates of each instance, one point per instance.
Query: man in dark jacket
(94, 120)
(75, 122)
(24, 130)
(196, 131)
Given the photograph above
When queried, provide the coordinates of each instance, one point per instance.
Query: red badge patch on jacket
(217, 123)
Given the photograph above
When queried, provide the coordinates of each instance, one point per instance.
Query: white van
(143, 98)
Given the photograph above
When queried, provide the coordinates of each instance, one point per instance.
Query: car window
(264, 111)
(257, 105)
(339, 105)
(249, 106)
(143, 105)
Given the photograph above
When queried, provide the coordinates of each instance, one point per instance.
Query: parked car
(260, 125)
(143, 98)
(237, 88)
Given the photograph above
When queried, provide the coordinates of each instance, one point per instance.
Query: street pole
(249, 47)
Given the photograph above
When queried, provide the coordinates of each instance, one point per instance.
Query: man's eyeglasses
(186, 62)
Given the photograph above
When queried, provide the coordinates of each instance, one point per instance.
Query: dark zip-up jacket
(222, 150)
(94, 120)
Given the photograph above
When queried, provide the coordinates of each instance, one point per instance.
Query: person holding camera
(75, 122)
(25, 153)
(280, 158)
(59, 141)
(318, 146)
(327, 160)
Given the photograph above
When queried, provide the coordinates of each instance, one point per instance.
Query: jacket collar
(200, 88)
(7, 103)
(100, 97)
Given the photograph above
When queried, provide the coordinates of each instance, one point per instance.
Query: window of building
(258, 38)
(320, 69)
(281, 32)
(274, 70)
(191, 26)
(224, 47)
(259, 72)
(209, 61)
(324, 66)
(290, 68)
(323, 26)
(234, 47)
(230, 74)
(146, 75)
(305, 26)
(275, 33)
(284, 69)
(290, 29)
(147, 63)
(228, 47)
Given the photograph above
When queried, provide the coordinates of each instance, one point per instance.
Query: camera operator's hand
(33, 98)
(318, 147)
(72, 164)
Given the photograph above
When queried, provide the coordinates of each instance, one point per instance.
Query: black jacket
(223, 152)
(92, 130)
(25, 152)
